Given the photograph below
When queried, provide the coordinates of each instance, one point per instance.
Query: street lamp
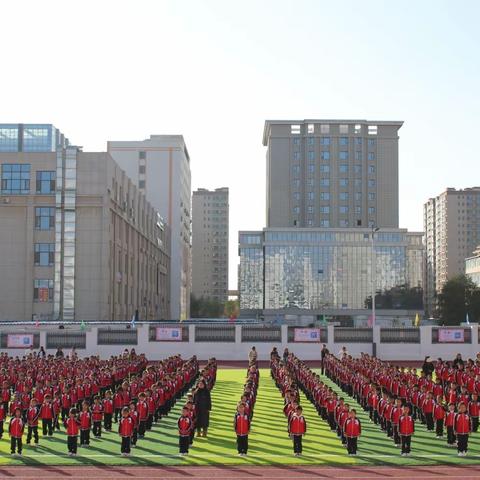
(373, 285)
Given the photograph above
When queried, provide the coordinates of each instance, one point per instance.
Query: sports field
(269, 443)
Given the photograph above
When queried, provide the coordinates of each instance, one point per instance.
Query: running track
(236, 473)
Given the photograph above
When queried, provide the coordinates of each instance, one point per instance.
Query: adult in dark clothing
(203, 405)
(427, 367)
(324, 352)
(458, 360)
(285, 355)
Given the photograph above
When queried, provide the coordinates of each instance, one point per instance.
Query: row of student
(191, 416)
(357, 377)
(243, 416)
(143, 410)
(297, 425)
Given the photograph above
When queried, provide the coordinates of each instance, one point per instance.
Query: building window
(343, 222)
(44, 254)
(311, 169)
(343, 209)
(141, 184)
(325, 223)
(325, 155)
(325, 141)
(324, 128)
(343, 168)
(343, 128)
(358, 155)
(324, 182)
(358, 196)
(343, 195)
(44, 218)
(296, 170)
(9, 139)
(310, 182)
(310, 209)
(142, 155)
(343, 141)
(371, 183)
(310, 222)
(358, 210)
(358, 140)
(15, 179)
(43, 291)
(296, 196)
(142, 169)
(371, 156)
(324, 196)
(371, 169)
(296, 156)
(310, 195)
(296, 210)
(311, 155)
(325, 168)
(357, 169)
(295, 129)
(358, 182)
(371, 210)
(311, 140)
(371, 142)
(46, 182)
(325, 209)
(296, 141)
(296, 183)
(343, 155)
(372, 129)
(343, 182)
(371, 196)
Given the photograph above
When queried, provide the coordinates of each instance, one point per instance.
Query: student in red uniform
(57, 408)
(241, 425)
(66, 403)
(134, 415)
(297, 427)
(72, 425)
(97, 415)
(118, 403)
(33, 413)
(107, 411)
(450, 424)
(184, 430)
(427, 407)
(16, 429)
(85, 425)
(3, 414)
(439, 416)
(462, 428)
(47, 415)
(352, 429)
(406, 428)
(142, 409)
(125, 429)
(474, 411)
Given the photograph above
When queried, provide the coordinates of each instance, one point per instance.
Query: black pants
(47, 426)
(117, 414)
(84, 437)
(242, 443)
(134, 436)
(1, 429)
(97, 428)
(429, 420)
(150, 421)
(439, 428)
(72, 443)
(125, 445)
(107, 421)
(352, 444)
(65, 412)
(462, 442)
(16, 443)
(388, 426)
(474, 424)
(331, 420)
(183, 443)
(450, 436)
(32, 431)
(406, 441)
(142, 426)
(396, 435)
(297, 443)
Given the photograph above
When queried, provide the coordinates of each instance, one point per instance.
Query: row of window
(343, 209)
(341, 196)
(16, 180)
(343, 182)
(325, 155)
(343, 222)
(342, 168)
(342, 141)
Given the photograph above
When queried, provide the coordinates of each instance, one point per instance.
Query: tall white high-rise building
(160, 166)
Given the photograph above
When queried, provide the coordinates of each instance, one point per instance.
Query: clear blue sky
(215, 70)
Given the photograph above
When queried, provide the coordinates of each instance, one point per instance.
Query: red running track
(236, 473)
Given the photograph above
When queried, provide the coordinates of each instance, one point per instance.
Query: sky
(214, 71)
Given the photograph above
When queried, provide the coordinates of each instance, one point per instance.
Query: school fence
(227, 341)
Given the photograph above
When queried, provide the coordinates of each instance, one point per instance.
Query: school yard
(269, 445)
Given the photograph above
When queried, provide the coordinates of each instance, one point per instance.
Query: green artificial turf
(269, 442)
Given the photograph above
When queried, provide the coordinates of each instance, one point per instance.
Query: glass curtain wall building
(318, 269)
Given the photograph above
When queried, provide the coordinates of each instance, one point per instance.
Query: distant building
(329, 271)
(472, 266)
(332, 173)
(160, 167)
(210, 244)
(452, 233)
(78, 241)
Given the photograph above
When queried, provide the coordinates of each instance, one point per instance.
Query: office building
(332, 173)
(160, 167)
(78, 240)
(472, 267)
(452, 233)
(329, 272)
(210, 244)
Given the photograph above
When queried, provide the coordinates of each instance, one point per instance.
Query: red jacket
(142, 409)
(97, 412)
(352, 427)
(297, 425)
(184, 426)
(73, 427)
(428, 406)
(108, 405)
(241, 424)
(125, 428)
(16, 427)
(462, 424)
(406, 425)
(438, 412)
(32, 416)
(474, 408)
(450, 421)
(46, 412)
(85, 420)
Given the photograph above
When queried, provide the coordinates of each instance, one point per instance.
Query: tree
(205, 307)
(232, 308)
(458, 297)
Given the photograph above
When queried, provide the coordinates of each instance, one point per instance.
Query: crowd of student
(87, 395)
(397, 397)
(242, 420)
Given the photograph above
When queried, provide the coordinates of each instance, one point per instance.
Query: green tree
(232, 308)
(205, 307)
(458, 297)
